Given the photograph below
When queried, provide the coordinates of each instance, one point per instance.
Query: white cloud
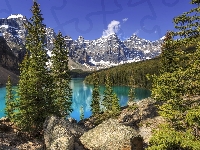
(136, 32)
(124, 20)
(113, 27)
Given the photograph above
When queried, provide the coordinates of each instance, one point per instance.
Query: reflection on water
(82, 95)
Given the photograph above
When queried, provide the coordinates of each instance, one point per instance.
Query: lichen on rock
(111, 135)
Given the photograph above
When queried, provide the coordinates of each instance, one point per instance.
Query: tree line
(120, 75)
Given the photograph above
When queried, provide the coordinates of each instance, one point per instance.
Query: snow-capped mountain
(111, 51)
(14, 32)
(99, 53)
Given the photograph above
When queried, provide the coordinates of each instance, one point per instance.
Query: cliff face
(4, 73)
(7, 59)
(8, 63)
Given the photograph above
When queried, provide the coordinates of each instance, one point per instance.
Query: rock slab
(111, 135)
(56, 134)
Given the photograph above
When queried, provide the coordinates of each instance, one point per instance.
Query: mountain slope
(7, 59)
(4, 73)
(8, 64)
(111, 51)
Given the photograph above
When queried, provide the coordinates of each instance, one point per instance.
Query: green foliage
(115, 104)
(131, 93)
(95, 104)
(167, 138)
(81, 113)
(99, 118)
(178, 86)
(42, 91)
(78, 73)
(107, 100)
(62, 93)
(33, 87)
(168, 55)
(9, 109)
(120, 75)
(132, 107)
(110, 100)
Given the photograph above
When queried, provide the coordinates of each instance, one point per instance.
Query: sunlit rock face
(111, 51)
(61, 134)
(7, 59)
(111, 135)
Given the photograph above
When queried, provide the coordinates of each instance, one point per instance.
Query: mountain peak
(110, 35)
(15, 16)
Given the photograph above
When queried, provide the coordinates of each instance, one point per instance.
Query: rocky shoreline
(132, 129)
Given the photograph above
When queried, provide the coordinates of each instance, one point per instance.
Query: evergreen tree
(33, 102)
(95, 105)
(110, 100)
(107, 100)
(81, 113)
(178, 89)
(115, 104)
(62, 93)
(9, 109)
(168, 56)
(131, 93)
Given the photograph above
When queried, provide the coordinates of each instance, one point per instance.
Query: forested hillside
(120, 75)
(177, 88)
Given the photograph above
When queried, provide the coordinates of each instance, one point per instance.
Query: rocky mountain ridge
(93, 54)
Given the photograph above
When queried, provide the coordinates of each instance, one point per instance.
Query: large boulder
(60, 134)
(111, 135)
(136, 112)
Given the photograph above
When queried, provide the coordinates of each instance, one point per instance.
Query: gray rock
(56, 134)
(143, 109)
(111, 135)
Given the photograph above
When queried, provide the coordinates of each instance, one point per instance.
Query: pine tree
(110, 100)
(107, 100)
(62, 93)
(95, 105)
(81, 113)
(131, 93)
(115, 104)
(179, 88)
(168, 56)
(9, 109)
(33, 102)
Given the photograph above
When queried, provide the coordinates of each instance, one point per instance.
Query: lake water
(82, 95)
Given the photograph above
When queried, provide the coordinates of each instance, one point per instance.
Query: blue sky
(149, 19)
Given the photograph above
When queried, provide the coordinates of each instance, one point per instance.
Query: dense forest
(78, 73)
(120, 75)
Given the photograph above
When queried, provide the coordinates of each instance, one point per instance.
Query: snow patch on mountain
(15, 16)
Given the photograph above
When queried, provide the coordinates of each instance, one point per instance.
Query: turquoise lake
(82, 95)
